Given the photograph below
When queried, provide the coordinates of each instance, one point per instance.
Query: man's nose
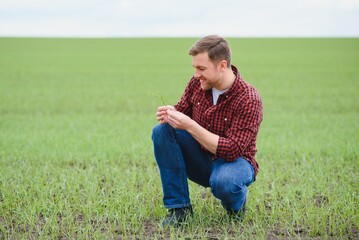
(196, 74)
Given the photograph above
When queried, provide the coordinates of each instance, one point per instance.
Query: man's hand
(161, 113)
(178, 120)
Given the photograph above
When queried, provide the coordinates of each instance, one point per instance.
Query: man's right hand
(161, 113)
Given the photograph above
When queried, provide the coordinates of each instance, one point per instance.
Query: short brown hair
(218, 48)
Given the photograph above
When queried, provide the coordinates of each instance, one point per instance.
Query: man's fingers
(170, 107)
(161, 108)
(162, 113)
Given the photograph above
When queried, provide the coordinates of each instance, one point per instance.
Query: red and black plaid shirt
(236, 117)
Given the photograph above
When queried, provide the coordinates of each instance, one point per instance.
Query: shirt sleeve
(244, 129)
(184, 105)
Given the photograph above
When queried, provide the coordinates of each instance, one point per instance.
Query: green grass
(76, 156)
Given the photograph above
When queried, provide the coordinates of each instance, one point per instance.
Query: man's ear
(223, 65)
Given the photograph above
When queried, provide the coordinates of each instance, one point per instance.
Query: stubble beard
(205, 85)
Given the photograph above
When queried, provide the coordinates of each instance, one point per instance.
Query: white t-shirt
(216, 93)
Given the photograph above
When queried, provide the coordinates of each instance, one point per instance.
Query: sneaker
(176, 216)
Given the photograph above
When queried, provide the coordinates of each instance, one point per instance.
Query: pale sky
(179, 18)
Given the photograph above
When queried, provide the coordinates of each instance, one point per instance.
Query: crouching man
(210, 135)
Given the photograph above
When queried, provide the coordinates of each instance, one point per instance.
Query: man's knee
(223, 186)
(160, 131)
(156, 130)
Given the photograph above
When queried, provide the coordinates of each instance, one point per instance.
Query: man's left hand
(178, 120)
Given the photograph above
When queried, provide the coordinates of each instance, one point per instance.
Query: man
(210, 135)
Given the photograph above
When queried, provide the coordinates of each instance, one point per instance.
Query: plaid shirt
(236, 117)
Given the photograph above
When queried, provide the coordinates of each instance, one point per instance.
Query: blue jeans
(179, 156)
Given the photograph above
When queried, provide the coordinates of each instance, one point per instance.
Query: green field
(76, 158)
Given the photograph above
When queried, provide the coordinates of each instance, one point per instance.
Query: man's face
(206, 71)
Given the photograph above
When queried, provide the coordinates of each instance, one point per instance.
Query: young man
(210, 135)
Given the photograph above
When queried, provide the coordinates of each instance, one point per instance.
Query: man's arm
(179, 120)
(245, 129)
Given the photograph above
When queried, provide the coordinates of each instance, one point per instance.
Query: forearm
(207, 139)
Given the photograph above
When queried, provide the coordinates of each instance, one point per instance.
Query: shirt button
(225, 119)
(198, 103)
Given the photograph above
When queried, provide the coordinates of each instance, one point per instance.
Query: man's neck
(227, 80)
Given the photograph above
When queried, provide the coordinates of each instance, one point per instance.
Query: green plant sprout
(159, 98)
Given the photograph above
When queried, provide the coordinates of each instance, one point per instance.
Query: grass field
(76, 158)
